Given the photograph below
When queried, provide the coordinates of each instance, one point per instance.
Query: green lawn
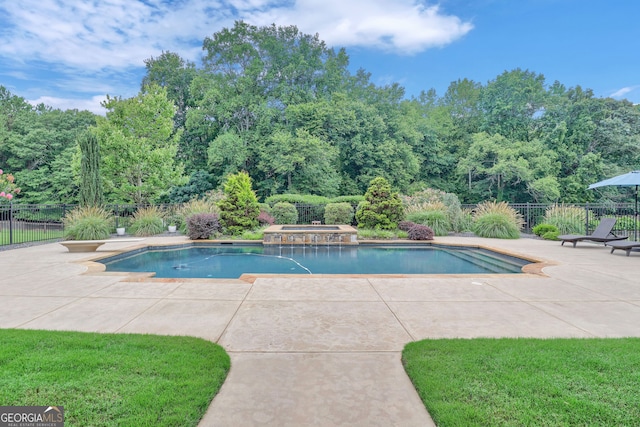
(112, 379)
(527, 382)
(24, 236)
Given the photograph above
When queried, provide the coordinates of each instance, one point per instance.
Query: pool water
(231, 261)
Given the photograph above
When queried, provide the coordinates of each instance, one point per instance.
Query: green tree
(239, 209)
(506, 170)
(300, 163)
(138, 147)
(90, 181)
(382, 208)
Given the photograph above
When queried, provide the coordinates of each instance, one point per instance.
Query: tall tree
(90, 181)
(138, 147)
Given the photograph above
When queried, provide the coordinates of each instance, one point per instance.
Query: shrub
(203, 226)
(551, 235)
(567, 218)
(285, 213)
(431, 199)
(497, 220)
(420, 232)
(435, 219)
(239, 209)
(405, 225)
(496, 225)
(147, 221)
(192, 207)
(370, 233)
(338, 213)
(382, 208)
(265, 219)
(541, 229)
(307, 199)
(352, 200)
(87, 223)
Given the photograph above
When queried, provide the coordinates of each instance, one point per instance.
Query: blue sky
(71, 53)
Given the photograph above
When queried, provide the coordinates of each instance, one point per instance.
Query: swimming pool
(232, 261)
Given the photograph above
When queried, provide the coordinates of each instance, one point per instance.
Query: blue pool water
(231, 261)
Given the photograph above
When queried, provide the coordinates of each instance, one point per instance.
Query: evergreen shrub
(338, 213)
(239, 209)
(382, 208)
(541, 229)
(285, 213)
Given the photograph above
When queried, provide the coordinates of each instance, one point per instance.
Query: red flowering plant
(8, 188)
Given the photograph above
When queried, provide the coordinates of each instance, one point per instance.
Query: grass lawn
(112, 379)
(23, 236)
(527, 382)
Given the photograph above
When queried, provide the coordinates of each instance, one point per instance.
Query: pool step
(486, 261)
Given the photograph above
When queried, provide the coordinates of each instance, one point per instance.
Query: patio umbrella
(631, 179)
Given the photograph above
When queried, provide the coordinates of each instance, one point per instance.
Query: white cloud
(92, 104)
(399, 26)
(621, 93)
(88, 46)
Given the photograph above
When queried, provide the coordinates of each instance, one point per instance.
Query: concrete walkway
(320, 351)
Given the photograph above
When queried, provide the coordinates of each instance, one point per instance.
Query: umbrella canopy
(630, 179)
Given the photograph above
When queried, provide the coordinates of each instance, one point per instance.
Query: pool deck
(325, 351)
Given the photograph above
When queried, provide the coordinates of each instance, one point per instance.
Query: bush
(567, 218)
(338, 213)
(405, 225)
(435, 219)
(285, 213)
(87, 223)
(147, 221)
(382, 208)
(369, 233)
(540, 229)
(497, 220)
(551, 235)
(430, 199)
(265, 219)
(352, 200)
(306, 199)
(202, 226)
(420, 232)
(239, 209)
(496, 225)
(192, 207)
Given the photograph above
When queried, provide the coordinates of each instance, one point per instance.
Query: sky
(71, 53)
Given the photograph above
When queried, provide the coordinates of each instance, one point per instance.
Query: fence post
(528, 217)
(11, 223)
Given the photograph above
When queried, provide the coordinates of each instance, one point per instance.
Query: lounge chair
(626, 246)
(602, 234)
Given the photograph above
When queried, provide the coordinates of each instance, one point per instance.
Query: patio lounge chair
(603, 233)
(626, 246)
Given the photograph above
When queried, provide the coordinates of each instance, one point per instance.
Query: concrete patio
(325, 351)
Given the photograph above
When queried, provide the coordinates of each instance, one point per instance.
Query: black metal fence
(23, 223)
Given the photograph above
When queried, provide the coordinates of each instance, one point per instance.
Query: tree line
(282, 106)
